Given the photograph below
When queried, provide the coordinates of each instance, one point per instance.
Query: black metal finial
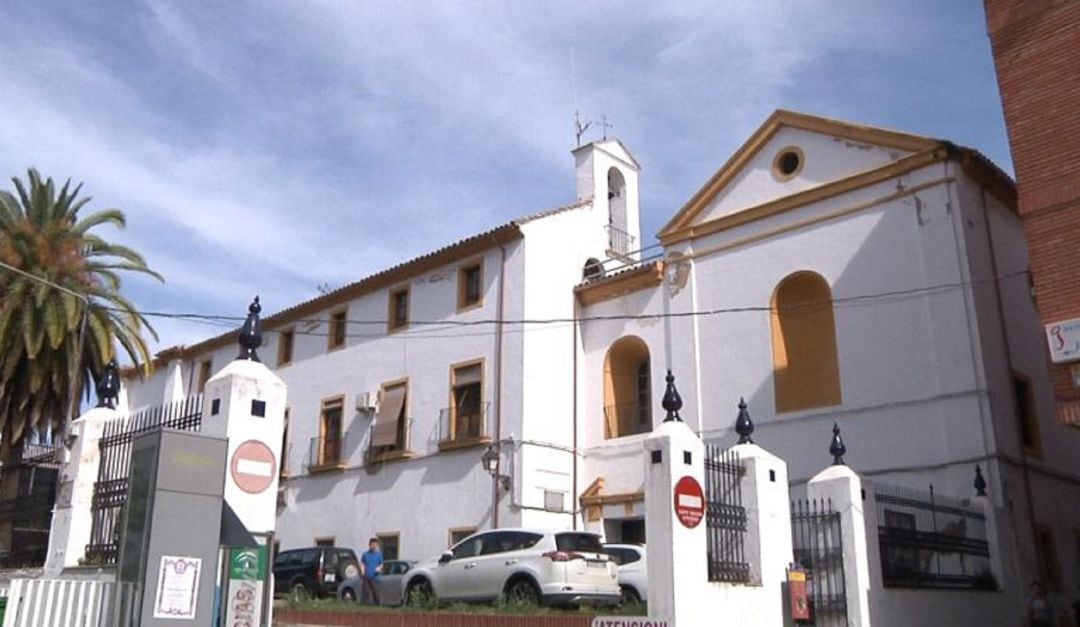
(980, 483)
(744, 426)
(837, 448)
(672, 401)
(108, 386)
(251, 333)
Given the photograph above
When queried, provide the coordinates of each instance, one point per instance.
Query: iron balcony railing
(456, 426)
(619, 241)
(326, 451)
(622, 419)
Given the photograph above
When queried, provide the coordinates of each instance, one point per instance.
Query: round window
(788, 163)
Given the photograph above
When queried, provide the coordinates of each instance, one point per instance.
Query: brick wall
(1036, 46)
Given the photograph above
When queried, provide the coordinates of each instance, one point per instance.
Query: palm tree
(62, 313)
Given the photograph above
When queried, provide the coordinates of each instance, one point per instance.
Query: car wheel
(350, 571)
(419, 593)
(348, 595)
(299, 593)
(521, 591)
(629, 596)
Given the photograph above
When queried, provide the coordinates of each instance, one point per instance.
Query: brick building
(1035, 45)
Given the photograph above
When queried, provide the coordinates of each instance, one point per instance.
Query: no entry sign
(253, 466)
(689, 502)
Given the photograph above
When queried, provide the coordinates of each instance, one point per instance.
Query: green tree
(66, 289)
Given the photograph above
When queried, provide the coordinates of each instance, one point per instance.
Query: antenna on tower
(579, 128)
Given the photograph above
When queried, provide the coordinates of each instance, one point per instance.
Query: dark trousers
(367, 588)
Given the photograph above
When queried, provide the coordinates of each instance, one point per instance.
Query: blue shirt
(372, 560)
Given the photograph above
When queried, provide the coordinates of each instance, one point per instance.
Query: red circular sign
(689, 502)
(253, 466)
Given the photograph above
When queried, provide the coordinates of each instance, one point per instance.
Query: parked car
(633, 575)
(521, 565)
(314, 572)
(390, 584)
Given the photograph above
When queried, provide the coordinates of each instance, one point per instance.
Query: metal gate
(819, 550)
(111, 487)
(725, 516)
(26, 513)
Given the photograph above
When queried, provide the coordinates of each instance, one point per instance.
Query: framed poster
(177, 587)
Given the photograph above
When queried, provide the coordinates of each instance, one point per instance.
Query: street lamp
(490, 460)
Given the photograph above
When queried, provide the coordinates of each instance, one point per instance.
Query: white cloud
(274, 145)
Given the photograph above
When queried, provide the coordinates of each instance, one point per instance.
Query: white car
(520, 565)
(633, 575)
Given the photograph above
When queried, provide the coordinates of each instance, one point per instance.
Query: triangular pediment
(790, 154)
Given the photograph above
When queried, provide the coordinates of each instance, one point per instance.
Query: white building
(828, 272)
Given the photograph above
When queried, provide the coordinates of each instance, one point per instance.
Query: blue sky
(272, 146)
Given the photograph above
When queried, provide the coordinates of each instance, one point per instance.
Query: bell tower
(607, 173)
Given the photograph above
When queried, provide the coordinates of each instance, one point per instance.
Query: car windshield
(586, 542)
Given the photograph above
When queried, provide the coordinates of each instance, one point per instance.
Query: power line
(433, 326)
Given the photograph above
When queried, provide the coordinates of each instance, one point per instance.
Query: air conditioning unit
(365, 401)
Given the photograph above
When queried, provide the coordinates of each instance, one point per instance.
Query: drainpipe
(497, 368)
(1012, 389)
(574, 471)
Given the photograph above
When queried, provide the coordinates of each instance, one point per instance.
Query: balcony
(326, 453)
(620, 243)
(625, 419)
(388, 453)
(459, 429)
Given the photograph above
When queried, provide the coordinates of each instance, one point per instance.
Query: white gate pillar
(840, 485)
(676, 554)
(768, 512)
(72, 517)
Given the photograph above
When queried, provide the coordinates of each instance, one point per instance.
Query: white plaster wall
(826, 159)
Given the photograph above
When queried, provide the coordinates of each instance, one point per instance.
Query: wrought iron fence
(725, 516)
(29, 494)
(110, 490)
(819, 550)
(931, 541)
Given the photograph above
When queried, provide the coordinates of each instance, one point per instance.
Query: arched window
(806, 372)
(619, 238)
(627, 388)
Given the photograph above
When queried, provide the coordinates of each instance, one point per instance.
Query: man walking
(371, 562)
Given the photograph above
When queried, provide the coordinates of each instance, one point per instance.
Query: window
(1026, 416)
(466, 408)
(460, 533)
(788, 163)
(399, 309)
(622, 556)
(285, 347)
(471, 547)
(619, 239)
(283, 462)
(331, 432)
(571, 541)
(204, 374)
(806, 371)
(470, 286)
(388, 544)
(324, 542)
(627, 388)
(390, 431)
(506, 541)
(338, 329)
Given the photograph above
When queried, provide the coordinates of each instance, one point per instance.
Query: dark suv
(314, 572)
